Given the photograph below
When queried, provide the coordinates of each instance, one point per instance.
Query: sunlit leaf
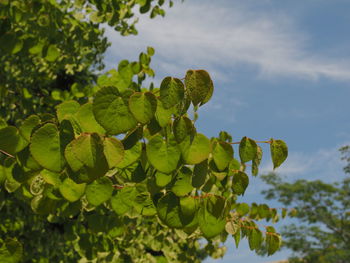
(112, 112)
(46, 148)
(99, 191)
(72, 191)
(163, 154)
(247, 149)
(279, 152)
(143, 106)
(171, 92)
(199, 86)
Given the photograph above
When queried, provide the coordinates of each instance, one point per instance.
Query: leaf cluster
(52, 50)
(99, 167)
(158, 168)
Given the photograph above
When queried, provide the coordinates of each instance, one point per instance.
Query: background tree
(101, 168)
(324, 211)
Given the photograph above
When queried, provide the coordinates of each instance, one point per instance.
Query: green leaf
(46, 148)
(19, 174)
(67, 109)
(114, 151)
(25, 159)
(112, 112)
(72, 191)
(169, 211)
(144, 204)
(225, 136)
(195, 150)
(273, 242)
(222, 154)
(150, 50)
(188, 208)
(264, 211)
(123, 201)
(123, 78)
(37, 49)
(172, 92)
(67, 133)
(28, 125)
(52, 53)
(220, 175)
(182, 128)
(163, 115)
(279, 152)
(211, 223)
(87, 119)
(247, 149)
(256, 161)
(99, 191)
(132, 138)
(88, 148)
(131, 155)
(215, 205)
(42, 205)
(11, 251)
(51, 177)
(240, 182)
(183, 182)
(11, 141)
(255, 239)
(115, 227)
(118, 205)
(199, 85)
(139, 174)
(162, 179)
(47, 117)
(234, 166)
(74, 163)
(242, 209)
(237, 237)
(17, 47)
(253, 213)
(143, 106)
(11, 185)
(110, 225)
(85, 149)
(284, 212)
(3, 123)
(200, 172)
(163, 155)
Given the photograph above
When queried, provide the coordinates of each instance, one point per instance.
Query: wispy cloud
(218, 37)
(324, 164)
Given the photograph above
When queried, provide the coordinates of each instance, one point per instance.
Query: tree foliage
(102, 168)
(324, 212)
(49, 49)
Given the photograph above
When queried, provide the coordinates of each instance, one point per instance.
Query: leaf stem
(116, 186)
(6, 153)
(254, 140)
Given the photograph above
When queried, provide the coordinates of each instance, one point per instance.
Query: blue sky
(281, 69)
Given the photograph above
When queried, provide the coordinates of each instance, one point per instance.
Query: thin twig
(6, 153)
(255, 141)
(118, 186)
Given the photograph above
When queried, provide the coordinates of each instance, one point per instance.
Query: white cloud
(217, 36)
(324, 164)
